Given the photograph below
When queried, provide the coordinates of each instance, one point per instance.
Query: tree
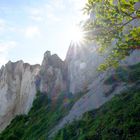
(115, 27)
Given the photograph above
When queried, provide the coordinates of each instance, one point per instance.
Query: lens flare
(76, 35)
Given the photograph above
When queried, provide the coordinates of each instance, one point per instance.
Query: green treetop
(114, 27)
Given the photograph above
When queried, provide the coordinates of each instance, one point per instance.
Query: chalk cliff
(17, 90)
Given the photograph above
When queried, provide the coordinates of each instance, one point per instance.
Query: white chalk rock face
(17, 90)
(82, 63)
(53, 79)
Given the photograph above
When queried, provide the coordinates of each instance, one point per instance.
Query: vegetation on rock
(117, 119)
(43, 116)
(126, 74)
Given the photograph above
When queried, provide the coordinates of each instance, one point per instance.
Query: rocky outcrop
(82, 63)
(53, 77)
(17, 90)
(20, 81)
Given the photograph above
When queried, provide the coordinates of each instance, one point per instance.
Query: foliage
(128, 74)
(117, 119)
(110, 26)
(43, 116)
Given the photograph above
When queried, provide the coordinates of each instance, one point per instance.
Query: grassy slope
(118, 119)
(43, 116)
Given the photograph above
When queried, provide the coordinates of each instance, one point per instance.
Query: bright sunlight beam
(76, 35)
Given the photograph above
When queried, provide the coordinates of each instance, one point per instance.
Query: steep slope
(91, 82)
(17, 90)
(45, 113)
(117, 119)
(42, 117)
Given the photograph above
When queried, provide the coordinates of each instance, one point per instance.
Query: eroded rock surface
(53, 78)
(17, 90)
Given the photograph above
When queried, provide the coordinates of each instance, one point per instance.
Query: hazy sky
(30, 27)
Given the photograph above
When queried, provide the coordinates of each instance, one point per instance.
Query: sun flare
(76, 35)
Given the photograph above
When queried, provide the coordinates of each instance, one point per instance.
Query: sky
(28, 28)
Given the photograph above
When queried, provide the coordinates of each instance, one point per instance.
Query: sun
(76, 35)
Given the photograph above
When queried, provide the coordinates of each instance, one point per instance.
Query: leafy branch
(113, 23)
